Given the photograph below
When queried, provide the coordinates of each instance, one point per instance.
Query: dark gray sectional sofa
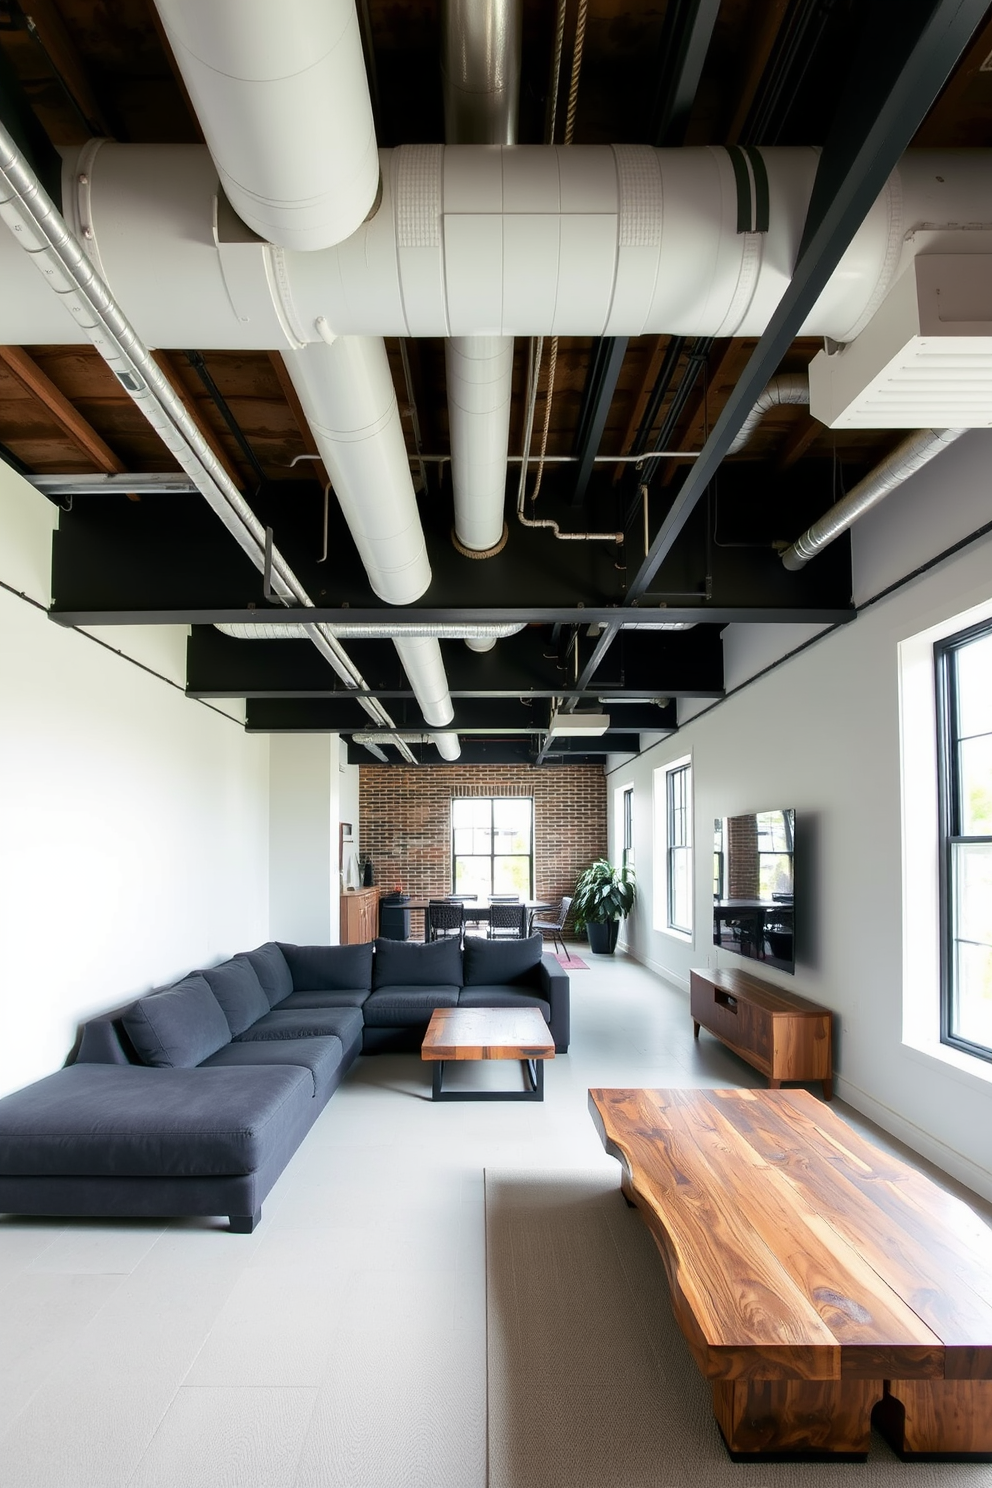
(191, 1100)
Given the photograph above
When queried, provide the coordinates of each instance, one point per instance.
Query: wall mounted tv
(753, 886)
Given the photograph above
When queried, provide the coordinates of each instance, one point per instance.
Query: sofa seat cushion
(330, 968)
(410, 963)
(321, 1056)
(129, 1121)
(344, 997)
(503, 963)
(503, 997)
(344, 1023)
(272, 972)
(236, 987)
(301, 1023)
(403, 1007)
(177, 1027)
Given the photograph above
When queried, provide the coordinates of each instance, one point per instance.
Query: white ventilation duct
(481, 47)
(480, 384)
(586, 240)
(790, 387)
(348, 397)
(446, 744)
(908, 457)
(479, 637)
(283, 101)
(347, 394)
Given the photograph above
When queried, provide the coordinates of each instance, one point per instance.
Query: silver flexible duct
(790, 387)
(908, 457)
(375, 631)
(447, 745)
(35, 223)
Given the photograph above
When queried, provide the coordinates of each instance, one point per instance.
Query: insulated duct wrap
(471, 240)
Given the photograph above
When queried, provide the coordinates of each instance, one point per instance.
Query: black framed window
(678, 816)
(492, 845)
(964, 737)
(628, 826)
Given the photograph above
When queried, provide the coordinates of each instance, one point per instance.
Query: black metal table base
(533, 1077)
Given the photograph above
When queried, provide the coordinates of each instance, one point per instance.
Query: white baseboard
(971, 1174)
(662, 971)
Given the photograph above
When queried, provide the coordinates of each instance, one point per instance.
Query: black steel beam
(605, 363)
(684, 43)
(477, 752)
(905, 57)
(685, 663)
(698, 614)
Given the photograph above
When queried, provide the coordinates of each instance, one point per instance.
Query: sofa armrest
(553, 983)
(104, 1041)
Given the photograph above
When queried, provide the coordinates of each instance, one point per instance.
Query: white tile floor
(343, 1344)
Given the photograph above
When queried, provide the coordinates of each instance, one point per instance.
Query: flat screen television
(754, 888)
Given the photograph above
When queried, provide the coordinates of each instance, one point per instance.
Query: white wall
(303, 837)
(133, 821)
(821, 733)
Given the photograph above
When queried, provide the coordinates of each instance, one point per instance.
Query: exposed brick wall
(405, 817)
(742, 857)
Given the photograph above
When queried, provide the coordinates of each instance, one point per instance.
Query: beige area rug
(590, 1382)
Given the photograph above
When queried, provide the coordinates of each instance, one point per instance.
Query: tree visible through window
(492, 845)
(964, 718)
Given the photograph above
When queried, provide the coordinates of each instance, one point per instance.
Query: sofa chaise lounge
(191, 1100)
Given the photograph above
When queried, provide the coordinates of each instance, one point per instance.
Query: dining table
(475, 909)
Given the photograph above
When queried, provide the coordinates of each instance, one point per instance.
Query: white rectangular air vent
(924, 361)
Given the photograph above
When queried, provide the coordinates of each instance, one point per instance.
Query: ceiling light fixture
(572, 725)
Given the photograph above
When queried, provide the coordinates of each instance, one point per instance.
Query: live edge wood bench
(816, 1279)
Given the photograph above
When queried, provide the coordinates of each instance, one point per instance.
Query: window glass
(492, 845)
(964, 687)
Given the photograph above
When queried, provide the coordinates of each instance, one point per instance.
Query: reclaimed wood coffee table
(489, 1033)
(816, 1279)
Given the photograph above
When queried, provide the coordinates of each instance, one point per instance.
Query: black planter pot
(603, 937)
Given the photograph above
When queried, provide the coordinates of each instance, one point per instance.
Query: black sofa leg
(243, 1224)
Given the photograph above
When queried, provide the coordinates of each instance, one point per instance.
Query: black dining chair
(468, 900)
(556, 927)
(506, 920)
(445, 920)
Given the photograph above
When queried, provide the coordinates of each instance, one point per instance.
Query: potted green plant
(604, 895)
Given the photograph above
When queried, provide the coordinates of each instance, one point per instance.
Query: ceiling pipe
(906, 459)
(585, 240)
(284, 105)
(446, 744)
(789, 388)
(480, 67)
(347, 393)
(42, 233)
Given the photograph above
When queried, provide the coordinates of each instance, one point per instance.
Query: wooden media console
(782, 1035)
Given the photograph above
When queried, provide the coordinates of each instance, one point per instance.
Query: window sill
(679, 935)
(954, 1062)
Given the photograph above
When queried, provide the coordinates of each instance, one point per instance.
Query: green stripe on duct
(751, 179)
(760, 188)
(743, 180)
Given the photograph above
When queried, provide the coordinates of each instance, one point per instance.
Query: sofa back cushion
(239, 992)
(178, 1027)
(408, 963)
(330, 968)
(272, 971)
(503, 963)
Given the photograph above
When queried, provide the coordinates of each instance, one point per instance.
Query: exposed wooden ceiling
(772, 74)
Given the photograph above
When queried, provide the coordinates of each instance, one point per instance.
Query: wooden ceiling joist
(170, 364)
(49, 29)
(62, 412)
